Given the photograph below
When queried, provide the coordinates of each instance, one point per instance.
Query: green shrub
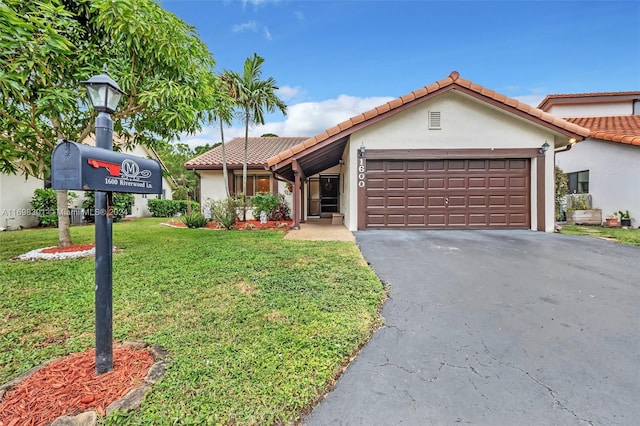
(44, 203)
(225, 211)
(562, 188)
(169, 208)
(122, 205)
(194, 220)
(274, 205)
(264, 202)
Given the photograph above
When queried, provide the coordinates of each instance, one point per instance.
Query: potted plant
(580, 212)
(625, 218)
(611, 220)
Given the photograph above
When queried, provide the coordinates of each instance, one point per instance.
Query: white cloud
(299, 15)
(267, 34)
(247, 26)
(303, 119)
(288, 93)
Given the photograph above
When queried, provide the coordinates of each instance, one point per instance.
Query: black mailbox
(83, 167)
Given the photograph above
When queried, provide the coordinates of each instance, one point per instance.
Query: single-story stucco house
(16, 192)
(259, 179)
(452, 154)
(606, 165)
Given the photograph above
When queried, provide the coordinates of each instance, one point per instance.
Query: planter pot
(584, 217)
(611, 222)
(625, 222)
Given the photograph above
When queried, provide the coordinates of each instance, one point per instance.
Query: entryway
(324, 195)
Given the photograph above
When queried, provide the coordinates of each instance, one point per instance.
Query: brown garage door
(482, 193)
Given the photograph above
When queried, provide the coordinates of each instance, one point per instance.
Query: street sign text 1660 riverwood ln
(81, 167)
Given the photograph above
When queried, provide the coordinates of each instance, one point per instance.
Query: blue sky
(336, 59)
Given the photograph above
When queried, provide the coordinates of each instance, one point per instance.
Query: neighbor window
(578, 182)
(255, 184)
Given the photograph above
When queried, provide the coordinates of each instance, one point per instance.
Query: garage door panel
(375, 183)
(517, 182)
(477, 183)
(457, 201)
(396, 201)
(457, 182)
(448, 193)
(375, 201)
(498, 219)
(517, 201)
(477, 200)
(518, 219)
(416, 201)
(416, 183)
(436, 201)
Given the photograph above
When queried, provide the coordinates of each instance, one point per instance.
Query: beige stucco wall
(16, 192)
(466, 123)
(614, 174)
(592, 110)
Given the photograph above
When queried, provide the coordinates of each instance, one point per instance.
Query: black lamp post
(105, 95)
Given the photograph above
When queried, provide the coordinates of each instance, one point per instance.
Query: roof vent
(434, 120)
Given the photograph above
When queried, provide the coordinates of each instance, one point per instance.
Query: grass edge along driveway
(258, 327)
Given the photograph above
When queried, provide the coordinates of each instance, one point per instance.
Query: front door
(324, 195)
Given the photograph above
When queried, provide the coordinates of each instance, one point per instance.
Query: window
(578, 182)
(255, 184)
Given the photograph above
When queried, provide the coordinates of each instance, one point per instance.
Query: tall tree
(253, 96)
(47, 47)
(224, 112)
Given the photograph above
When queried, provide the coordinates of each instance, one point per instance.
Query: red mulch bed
(68, 249)
(70, 386)
(247, 225)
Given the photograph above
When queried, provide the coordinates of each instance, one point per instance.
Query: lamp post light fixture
(544, 148)
(362, 149)
(105, 95)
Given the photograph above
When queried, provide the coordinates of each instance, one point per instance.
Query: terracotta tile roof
(453, 81)
(622, 128)
(585, 97)
(260, 149)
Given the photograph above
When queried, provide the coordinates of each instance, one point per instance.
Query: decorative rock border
(128, 402)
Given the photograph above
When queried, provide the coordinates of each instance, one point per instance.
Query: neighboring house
(452, 154)
(607, 164)
(259, 179)
(16, 193)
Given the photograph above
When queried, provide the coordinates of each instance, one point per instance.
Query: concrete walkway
(320, 230)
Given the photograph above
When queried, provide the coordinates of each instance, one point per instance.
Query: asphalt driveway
(496, 328)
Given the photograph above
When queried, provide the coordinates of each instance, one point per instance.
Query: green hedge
(169, 208)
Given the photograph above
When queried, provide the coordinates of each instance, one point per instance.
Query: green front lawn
(624, 236)
(258, 327)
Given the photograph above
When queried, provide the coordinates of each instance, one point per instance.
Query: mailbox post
(75, 166)
(105, 95)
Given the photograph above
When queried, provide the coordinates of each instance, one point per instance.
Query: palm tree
(223, 110)
(252, 96)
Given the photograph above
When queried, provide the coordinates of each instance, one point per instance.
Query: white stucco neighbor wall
(466, 123)
(592, 110)
(614, 174)
(211, 185)
(15, 201)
